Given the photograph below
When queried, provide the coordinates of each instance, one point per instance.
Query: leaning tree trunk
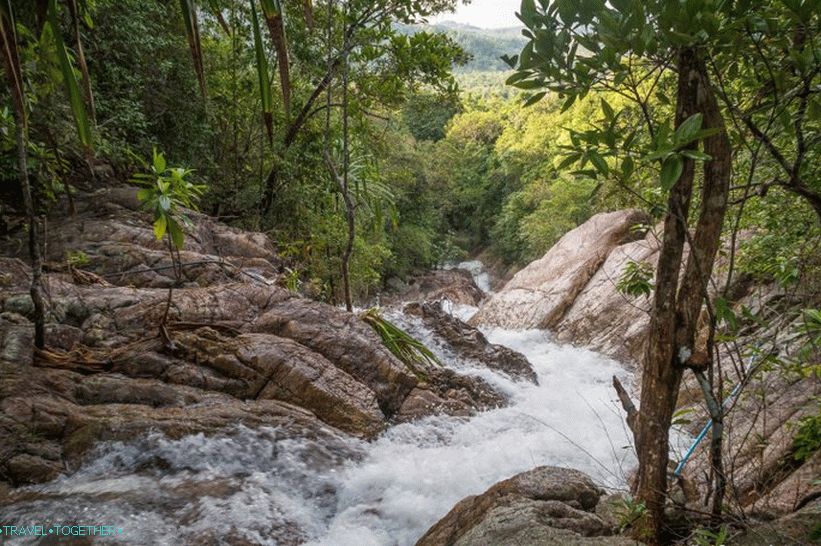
(14, 79)
(675, 310)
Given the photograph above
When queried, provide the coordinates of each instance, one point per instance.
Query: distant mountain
(486, 46)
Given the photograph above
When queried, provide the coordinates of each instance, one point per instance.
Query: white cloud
(485, 14)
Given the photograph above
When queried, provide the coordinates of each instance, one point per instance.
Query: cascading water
(270, 488)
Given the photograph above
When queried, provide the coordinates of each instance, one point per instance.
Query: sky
(485, 14)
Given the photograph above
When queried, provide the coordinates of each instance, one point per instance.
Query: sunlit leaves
(166, 191)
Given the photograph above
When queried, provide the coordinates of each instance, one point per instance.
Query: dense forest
(372, 147)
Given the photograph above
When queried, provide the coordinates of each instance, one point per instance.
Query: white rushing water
(273, 488)
(477, 270)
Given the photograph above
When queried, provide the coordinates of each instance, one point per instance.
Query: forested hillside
(192, 192)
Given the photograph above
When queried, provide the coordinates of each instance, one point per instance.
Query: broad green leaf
(159, 163)
(176, 233)
(688, 130)
(627, 167)
(160, 225)
(569, 160)
(671, 171)
(533, 99)
(75, 98)
(609, 114)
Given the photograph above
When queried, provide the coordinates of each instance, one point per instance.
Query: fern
(405, 347)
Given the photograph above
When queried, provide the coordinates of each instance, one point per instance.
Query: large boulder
(604, 319)
(543, 506)
(539, 295)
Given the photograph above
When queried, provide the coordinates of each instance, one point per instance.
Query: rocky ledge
(237, 348)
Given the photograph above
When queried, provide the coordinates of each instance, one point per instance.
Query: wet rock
(539, 295)
(546, 505)
(239, 348)
(469, 342)
(454, 285)
(446, 392)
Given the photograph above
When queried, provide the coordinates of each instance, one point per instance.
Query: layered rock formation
(237, 347)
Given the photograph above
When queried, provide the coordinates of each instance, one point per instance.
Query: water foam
(272, 489)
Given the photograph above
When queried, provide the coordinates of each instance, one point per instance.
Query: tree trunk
(14, 78)
(675, 311)
(34, 237)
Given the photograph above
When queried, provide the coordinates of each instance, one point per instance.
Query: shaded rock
(469, 342)
(799, 528)
(539, 295)
(546, 505)
(454, 285)
(112, 236)
(447, 392)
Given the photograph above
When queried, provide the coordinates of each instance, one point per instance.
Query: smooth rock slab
(539, 295)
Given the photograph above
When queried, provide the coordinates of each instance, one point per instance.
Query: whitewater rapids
(252, 485)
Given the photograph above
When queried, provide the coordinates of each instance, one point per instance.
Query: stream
(255, 486)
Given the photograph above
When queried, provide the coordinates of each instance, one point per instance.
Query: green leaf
(177, 235)
(75, 98)
(607, 110)
(671, 171)
(159, 163)
(688, 130)
(725, 314)
(160, 225)
(627, 167)
(568, 103)
(262, 74)
(533, 99)
(598, 162)
(696, 155)
(569, 160)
